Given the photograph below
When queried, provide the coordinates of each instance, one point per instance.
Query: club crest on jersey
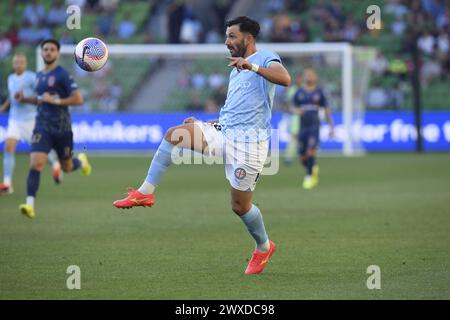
(240, 173)
(51, 81)
(316, 97)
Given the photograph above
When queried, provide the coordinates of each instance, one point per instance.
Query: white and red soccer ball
(91, 54)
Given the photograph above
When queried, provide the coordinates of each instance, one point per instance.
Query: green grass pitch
(390, 210)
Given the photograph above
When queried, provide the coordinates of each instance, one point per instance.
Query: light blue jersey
(25, 82)
(247, 112)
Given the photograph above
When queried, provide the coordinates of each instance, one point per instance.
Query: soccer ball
(91, 54)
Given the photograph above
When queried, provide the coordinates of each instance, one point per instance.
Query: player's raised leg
(8, 166)
(57, 173)
(188, 135)
(63, 147)
(241, 204)
(71, 164)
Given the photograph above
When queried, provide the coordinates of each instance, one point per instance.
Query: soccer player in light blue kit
(21, 121)
(241, 134)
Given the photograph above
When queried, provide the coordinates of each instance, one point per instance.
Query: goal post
(342, 67)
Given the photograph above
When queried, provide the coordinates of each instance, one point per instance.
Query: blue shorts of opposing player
(308, 138)
(61, 142)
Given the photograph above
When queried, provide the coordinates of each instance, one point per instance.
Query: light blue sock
(8, 167)
(161, 161)
(253, 220)
(52, 157)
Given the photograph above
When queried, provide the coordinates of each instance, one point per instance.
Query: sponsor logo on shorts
(240, 173)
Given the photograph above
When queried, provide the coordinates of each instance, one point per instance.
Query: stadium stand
(331, 20)
(171, 21)
(102, 19)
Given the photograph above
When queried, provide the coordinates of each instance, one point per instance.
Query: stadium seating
(135, 71)
(434, 94)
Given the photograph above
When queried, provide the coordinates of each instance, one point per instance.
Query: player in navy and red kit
(56, 91)
(307, 101)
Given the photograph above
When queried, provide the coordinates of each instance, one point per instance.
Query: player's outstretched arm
(275, 73)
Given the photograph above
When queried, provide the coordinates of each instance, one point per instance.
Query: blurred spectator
(13, 35)
(100, 90)
(351, 31)
(213, 36)
(426, 43)
(191, 30)
(105, 23)
(92, 5)
(110, 97)
(336, 11)
(443, 19)
(221, 8)
(281, 28)
(433, 7)
(116, 91)
(398, 26)
(297, 6)
(198, 81)
(216, 80)
(33, 13)
(217, 100)
(430, 70)
(56, 14)
(395, 7)
(443, 51)
(300, 31)
(211, 106)
(67, 38)
(332, 29)
(379, 65)
(43, 32)
(79, 3)
(276, 6)
(398, 67)
(108, 5)
(397, 96)
(194, 103)
(27, 34)
(377, 97)
(319, 11)
(183, 79)
(126, 28)
(219, 95)
(11, 6)
(175, 14)
(443, 42)
(5, 46)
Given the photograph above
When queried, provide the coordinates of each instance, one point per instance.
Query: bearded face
(235, 41)
(238, 49)
(49, 53)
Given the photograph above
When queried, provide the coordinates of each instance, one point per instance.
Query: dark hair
(245, 25)
(55, 42)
